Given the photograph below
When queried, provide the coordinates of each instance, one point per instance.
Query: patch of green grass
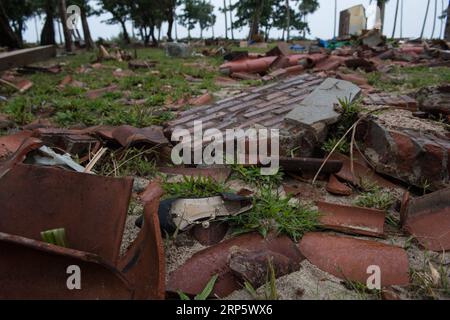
(71, 107)
(252, 175)
(194, 187)
(272, 213)
(344, 146)
(349, 115)
(375, 197)
(409, 78)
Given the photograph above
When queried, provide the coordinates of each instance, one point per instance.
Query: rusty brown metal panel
(192, 277)
(349, 219)
(92, 209)
(32, 269)
(144, 263)
(428, 219)
(349, 258)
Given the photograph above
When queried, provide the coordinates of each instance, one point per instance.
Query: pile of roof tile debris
(43, 188)
(369, 52)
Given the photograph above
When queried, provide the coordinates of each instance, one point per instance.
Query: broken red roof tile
(10, 144)
(350, 219)
(361, 171)
(428, 219)
(128, 135)
(351, 259)
(210, 235)
(192, 277)
(201, 100)
(334, 186)
(247, 65)
(95, 94)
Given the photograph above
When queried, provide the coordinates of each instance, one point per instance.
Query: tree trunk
(231, 21)
(395, 19)
(8, 37)
(254, 27)
(441, 28)
(434, 18)
(86, 31)
(19, 32)
(447, 25)
(425, 20)
(152, 33)
(335, 19)
(288, 21)
(48, 31)
(170, 21)
(67, 35)
(226, 18)
(126, 36)
(382, 5)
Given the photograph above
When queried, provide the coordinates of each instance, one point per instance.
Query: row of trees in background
(148, 16)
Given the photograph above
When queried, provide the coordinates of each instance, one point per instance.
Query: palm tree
(395, 19)
(434, 19)
(447, 26)
(226, 18)
(231, 20)
(335, 18)
(425, 19)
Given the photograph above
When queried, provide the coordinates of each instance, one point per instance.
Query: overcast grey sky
(321, 22)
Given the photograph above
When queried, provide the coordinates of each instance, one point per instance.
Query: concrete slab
(319, 106)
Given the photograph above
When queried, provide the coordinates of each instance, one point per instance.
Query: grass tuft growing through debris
(129, 162)
(273, 213)
(349, 115)
(374, 197)
(194, 187)
(252, 176)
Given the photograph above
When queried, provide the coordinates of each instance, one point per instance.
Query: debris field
(87, 178)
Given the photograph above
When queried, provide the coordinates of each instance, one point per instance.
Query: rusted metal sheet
(218, 174)
(349, 258)
(36, 198)
(128, 135)
(144, 264)
(92, 210)
(353, 220)
(19, 58)
(20, 154)
(311, 165)
(192, 277)
(31, 269)
(428, 219)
